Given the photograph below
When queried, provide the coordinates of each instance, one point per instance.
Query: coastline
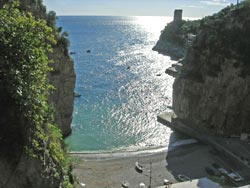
(98, 170)
(117, 154)
(128, 152)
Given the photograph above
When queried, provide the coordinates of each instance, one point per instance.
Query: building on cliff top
(178, 15)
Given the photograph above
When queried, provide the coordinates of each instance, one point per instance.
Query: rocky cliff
(17, 168)
(63, 78)
(31, 152)
(212, 91)
(171, 41)
(175, 38)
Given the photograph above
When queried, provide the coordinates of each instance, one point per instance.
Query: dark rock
(174, 51)
(172, 71)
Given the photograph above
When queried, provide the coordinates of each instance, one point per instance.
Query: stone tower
(177, 15)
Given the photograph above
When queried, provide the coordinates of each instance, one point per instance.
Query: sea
(122, 83)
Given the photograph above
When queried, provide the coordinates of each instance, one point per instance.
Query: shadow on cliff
(11, 137)
(190, 159)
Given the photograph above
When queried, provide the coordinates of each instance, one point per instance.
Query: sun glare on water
(122, 82)
(153, 24)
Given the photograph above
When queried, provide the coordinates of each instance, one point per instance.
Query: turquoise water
(122, 83)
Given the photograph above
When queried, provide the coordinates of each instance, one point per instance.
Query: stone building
(178, 15)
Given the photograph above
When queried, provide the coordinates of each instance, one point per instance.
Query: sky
(191, 8)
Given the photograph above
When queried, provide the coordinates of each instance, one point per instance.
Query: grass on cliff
(24, 45)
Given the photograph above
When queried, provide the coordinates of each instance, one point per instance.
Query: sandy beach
(109, 170)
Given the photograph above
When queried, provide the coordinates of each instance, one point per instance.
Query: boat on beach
(138, 167)
(167, 182)
(125, 184)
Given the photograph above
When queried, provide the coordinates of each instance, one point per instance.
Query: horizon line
(126, 16)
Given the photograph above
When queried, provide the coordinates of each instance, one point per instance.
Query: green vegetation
(190, 27)
(175, 32)
(25, 42)
(219, 31)
(61, 37)
(228, 31)
(38, 10)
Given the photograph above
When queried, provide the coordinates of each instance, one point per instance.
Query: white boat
(77, 95)
(83, 184)
(167, 182)
(142, 185)
(125, 184)
(138, 166)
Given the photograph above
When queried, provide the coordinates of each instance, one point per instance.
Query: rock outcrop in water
(213, 90)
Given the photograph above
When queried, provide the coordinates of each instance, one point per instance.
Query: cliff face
(213, 90)
(175, 38)
(63, 78)
(171, 41)
(31, 153)
(63, 75)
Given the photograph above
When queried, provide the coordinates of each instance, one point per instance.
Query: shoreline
(101, 156)
(126, 152)
(96, 170)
